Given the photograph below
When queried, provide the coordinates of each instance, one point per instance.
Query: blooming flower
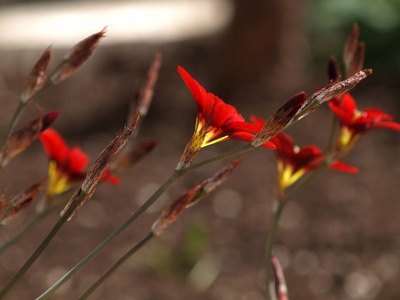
(216, 121)
(67, 165)
(294, 162)
(355, 123)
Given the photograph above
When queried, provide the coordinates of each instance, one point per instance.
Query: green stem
(274, 226)
(11, 125)
(115, 266)
(175, 176)
(113, 235)
(31, 225)
(61, 221)
(332, 134)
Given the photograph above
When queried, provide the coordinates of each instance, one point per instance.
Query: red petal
(344, 116)
(54, 145)
(390, 125)
(110, 178)
(77, 160)
(257, 120)
(198, 92)
(340, 166)
(245, 136)
(284, 144)
(348, 103)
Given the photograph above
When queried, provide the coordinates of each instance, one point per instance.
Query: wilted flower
(216, 121)
(355, 123)
(67, 165)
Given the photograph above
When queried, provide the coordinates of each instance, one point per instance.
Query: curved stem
(175, 176)
(118, 263)
(274, 226)
(329, 148)
(11, 125)
(43, 245)
(31, 225)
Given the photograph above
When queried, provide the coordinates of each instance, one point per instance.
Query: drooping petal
(341, 166)
(390, 125)
(54, 145)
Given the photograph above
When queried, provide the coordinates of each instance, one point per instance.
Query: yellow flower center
(58, 182)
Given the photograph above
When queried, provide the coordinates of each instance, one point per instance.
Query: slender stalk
(329, 148)
(11, 125)
(31, 225)
(175, 176)
(274, 226)
(42, 246)
(115, 266)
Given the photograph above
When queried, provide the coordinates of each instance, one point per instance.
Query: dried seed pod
(36, 77)
(100, 166)
(278, 121)
(77, 56)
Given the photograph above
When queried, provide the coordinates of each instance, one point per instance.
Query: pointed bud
(128, 158)
(353, 53)
(173, 210)
(77, 56)
(143, 100)
(351, 46)
(212, 183)
(20, 202)
(21, 140)
(101, 165)
(37, 77)
(191, 197)
(48, 119)
(279, 280)
(357, 61)
(331, 91)
(278, 121)
(333, 70)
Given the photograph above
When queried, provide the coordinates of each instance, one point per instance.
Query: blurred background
(338, 239)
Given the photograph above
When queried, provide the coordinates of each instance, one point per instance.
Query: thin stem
(175, 176)
(118, 263)
(332, 134)
(274, 226)
(31, 225)
(223, 156)
(11, 125)
(61, 221)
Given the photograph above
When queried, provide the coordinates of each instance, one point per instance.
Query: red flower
(216, 121)
(294, 162)
(355, 123)
(67, 165)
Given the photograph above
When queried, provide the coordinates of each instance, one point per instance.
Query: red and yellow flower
(294, 162)
(216, 121)
(67, 165)
(355, 123)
